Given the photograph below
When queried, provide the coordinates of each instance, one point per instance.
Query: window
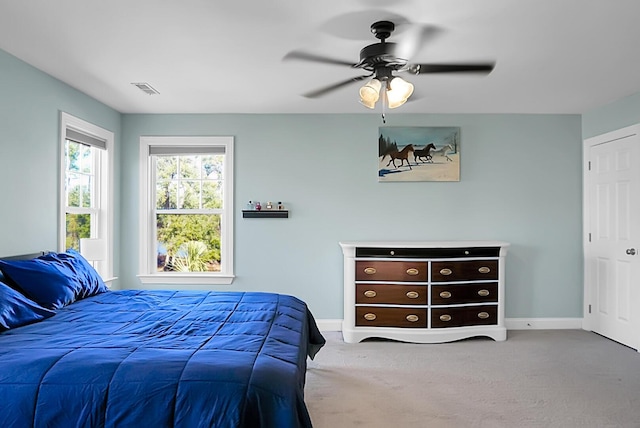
(86, 190)
(186, 213)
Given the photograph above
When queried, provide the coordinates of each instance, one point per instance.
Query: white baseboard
(543, 323)
(510, 323)
(329, 325)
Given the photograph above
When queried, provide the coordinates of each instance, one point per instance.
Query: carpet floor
(536, 378)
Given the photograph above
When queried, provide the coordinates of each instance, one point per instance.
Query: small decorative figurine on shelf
(269, 205)
(280, 206)
(258, 206)
(251, 206)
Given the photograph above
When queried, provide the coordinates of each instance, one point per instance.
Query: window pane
(166, 195)
(86, 191)
(190, 194)
(79, 178)
(212, 194)
(166, 167)
(86, 160)
(72, 153)
(212, 167)
(78, 226)
(79, 190)
(72, 190)
(189, 167)
(188, 242)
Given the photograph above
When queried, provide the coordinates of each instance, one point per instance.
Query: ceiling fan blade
(414, 38)
(485, 67)
(306, 56)
(323, 91)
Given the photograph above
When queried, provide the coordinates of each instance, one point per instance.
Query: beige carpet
(543, 378)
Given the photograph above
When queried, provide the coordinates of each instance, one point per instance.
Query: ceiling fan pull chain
(384, 100)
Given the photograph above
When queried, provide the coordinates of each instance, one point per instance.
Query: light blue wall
(520, 182)
(30, 105)
(616, 115)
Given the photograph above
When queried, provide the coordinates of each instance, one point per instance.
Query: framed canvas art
(419, 153)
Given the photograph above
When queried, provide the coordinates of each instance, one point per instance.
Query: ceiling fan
(382, 60)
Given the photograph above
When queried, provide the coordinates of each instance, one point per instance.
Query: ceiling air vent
(146, 88)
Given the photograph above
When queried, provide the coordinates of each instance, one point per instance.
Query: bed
(147, 357)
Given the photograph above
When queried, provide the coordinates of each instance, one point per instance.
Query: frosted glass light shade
(370, 93)
(398, 92)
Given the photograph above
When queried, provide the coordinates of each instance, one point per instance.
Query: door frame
(587, 319)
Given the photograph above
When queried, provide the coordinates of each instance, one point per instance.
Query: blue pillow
(90, 281)
(17, 310)
(55, 279)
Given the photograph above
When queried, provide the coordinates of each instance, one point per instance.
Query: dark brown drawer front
(464, 293)
(460, 317)
(391, 271)
(391, 293)
(391, 317)
(464, 271)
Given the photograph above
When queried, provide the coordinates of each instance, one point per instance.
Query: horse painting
(403, 155)
(436, 153)
(423, 153)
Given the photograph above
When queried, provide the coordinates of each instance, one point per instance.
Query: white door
(612, 235)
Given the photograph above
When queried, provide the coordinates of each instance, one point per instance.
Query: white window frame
(104, 200)
(147, 239)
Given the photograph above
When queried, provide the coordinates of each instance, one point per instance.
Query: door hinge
(589, 308)
(589, 236)
(589, 167)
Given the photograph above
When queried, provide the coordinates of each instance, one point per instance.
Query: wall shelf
(265, 214)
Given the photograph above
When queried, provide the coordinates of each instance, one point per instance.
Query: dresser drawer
(392, 293)
(464, 270)
(464, 293)
(465, 316)
(391, 317)
(391, 271)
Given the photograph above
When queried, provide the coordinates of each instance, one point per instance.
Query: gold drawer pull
(484, 269)
(412, 271)
(370, 270)
(370, 317)
(445, 294)
(483, 315)
(445, 317)
(412, 318)
(446, 271)
(370, 293)
(483, 293)
(413, 294)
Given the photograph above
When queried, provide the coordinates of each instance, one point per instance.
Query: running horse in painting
(424, 153)
(442, 151)
(403, 155)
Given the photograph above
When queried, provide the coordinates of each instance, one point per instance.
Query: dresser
(424, 292)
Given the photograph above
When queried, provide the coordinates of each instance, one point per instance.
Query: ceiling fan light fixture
(398, 92)
(370, 93)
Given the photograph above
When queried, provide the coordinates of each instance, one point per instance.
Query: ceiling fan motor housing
(380, 54)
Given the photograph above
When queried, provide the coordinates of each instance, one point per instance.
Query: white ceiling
(216, 56)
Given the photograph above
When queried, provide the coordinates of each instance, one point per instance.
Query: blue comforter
(161, 359)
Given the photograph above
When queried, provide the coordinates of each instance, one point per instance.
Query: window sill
(194, 278)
